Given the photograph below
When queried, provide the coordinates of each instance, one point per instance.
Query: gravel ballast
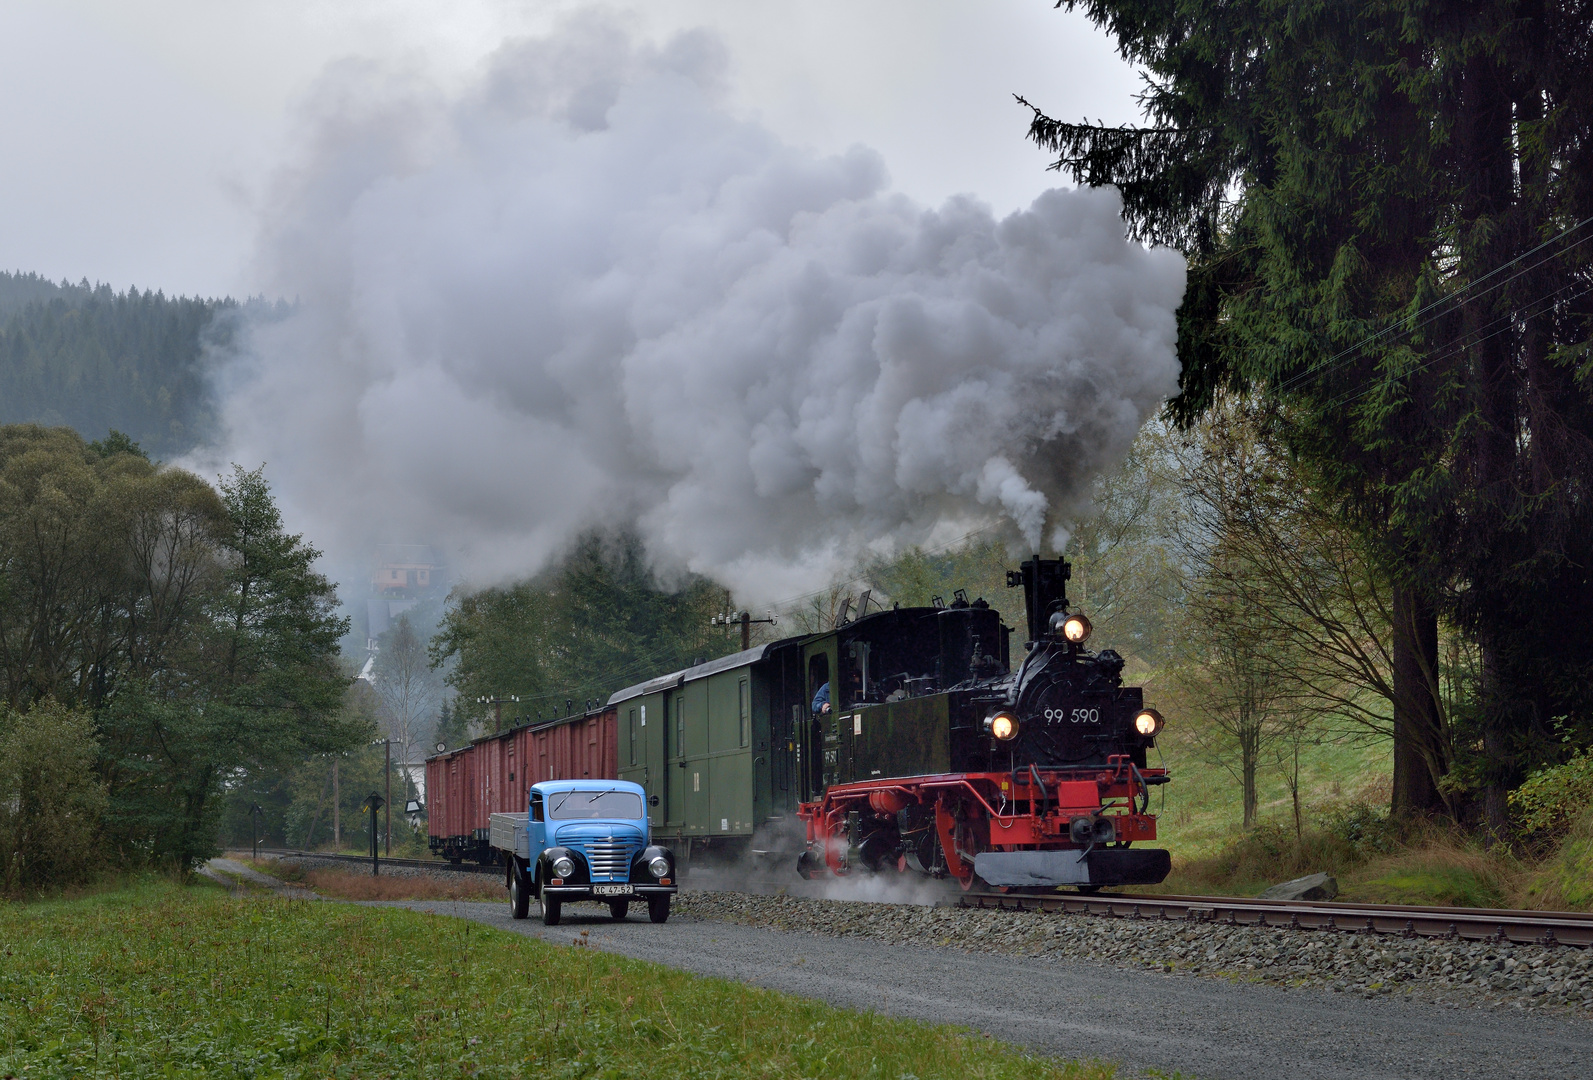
(1435, 970)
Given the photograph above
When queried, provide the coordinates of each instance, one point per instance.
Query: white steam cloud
(582, 293)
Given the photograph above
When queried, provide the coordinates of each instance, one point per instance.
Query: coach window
(745, 705)
(536, 806)
(680, 726)
(633, 736)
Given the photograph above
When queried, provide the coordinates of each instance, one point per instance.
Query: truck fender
(545, 866)
(639, 871)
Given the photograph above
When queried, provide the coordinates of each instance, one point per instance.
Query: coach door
(818, 741)
(675, 758)
(643, 733)
(787, 714)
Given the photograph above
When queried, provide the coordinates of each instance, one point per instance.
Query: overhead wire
(1404, 325)
(1475, 336)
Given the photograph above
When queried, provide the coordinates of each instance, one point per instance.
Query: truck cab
(584, 840)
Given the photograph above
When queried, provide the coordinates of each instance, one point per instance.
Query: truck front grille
(610, 859)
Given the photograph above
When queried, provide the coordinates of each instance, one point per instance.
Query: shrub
(52, 804)
(1364, 829)
(1563, 880)
(1544, 807)
(1341, 840)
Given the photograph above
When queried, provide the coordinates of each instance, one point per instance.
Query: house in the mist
(406, 568)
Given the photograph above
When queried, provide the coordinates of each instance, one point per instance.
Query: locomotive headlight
(1002, 726)
(1075, 628)
(563, 866)
(659, 866)
(1148, 722)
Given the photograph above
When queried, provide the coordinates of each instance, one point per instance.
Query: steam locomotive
(934, 758)
(1023, 780)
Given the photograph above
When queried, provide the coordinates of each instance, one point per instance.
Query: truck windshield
(606, 803)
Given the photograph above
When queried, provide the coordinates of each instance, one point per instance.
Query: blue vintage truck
(583, 840)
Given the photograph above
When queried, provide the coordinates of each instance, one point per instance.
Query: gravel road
(1206, 1028)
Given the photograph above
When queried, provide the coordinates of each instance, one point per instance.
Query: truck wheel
(519, 895)
(618, 909)
(550, 910)
(658, 908)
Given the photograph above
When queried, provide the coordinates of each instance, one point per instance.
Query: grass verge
(353, 885)
(160, 980)
(1421, 864)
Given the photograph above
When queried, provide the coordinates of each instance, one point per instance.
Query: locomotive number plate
(612, 890)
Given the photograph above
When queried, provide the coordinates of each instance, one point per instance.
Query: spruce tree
(1386, 209)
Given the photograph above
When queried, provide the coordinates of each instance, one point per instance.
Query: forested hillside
(94, 359)
(599, 622)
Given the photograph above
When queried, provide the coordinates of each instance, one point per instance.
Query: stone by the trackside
(1310, 887)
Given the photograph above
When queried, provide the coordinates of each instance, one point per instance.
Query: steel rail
(1470, 924)
(365, 860)
(1403, 920)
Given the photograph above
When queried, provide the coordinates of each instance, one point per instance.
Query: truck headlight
(563, 866)
(659, 866)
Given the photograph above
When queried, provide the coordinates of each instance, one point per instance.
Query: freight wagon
(465, 787)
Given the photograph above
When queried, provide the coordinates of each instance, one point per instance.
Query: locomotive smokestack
(1045, 591)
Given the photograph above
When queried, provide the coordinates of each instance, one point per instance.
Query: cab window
(536, 806)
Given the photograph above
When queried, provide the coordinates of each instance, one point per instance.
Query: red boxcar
(493, 774)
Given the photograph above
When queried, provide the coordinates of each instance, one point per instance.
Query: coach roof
(686, 675)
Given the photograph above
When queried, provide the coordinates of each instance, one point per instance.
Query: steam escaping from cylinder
(581, 293)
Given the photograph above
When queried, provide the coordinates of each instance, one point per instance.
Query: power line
(1477, 335)
(1457, 298)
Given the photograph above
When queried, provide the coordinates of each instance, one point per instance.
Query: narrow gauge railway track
(1471, 924)
(365, 860)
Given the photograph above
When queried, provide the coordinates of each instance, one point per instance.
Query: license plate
(611, 890)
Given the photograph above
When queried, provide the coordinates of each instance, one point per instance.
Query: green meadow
(163, 980)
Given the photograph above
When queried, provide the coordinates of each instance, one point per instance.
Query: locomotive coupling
(1091, 829)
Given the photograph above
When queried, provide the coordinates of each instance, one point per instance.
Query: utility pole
(745, 619)
(337, 811)
(254, 830)
(375, 803)
(497, 704)
(387, 771)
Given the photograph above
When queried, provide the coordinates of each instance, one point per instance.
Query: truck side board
(511, 832)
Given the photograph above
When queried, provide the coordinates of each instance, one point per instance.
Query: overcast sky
(140, 138)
